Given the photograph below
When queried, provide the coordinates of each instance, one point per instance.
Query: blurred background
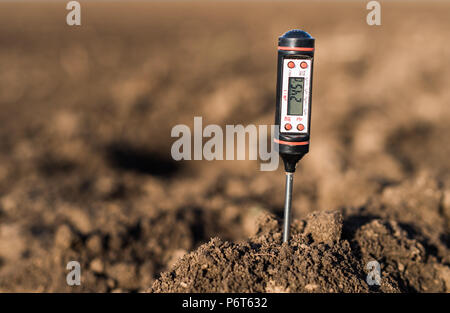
(86, 114)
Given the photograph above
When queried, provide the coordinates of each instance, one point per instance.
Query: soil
(86, 173)
(316, 259)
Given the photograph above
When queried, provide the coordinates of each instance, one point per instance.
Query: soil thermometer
(293, 106)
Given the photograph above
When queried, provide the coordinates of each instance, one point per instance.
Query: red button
(291, 64)
(288, 126)
(300, 127)
(303, 65)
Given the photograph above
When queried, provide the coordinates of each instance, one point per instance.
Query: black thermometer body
(294, 93)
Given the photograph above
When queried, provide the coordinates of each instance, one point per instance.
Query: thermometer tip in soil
(293, 106)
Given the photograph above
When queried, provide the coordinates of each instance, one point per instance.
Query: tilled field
(86, 172)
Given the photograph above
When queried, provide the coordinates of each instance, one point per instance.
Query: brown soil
(86, 172)
(317, 259)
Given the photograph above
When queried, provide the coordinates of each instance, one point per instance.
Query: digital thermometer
(293, 105)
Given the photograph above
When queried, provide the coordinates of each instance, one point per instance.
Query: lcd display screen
(295, 95)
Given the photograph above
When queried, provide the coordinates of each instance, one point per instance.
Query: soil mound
(324, 255)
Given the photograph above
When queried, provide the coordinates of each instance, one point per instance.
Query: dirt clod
(324, 226)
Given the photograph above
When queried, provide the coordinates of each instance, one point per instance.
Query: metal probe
(287, 205)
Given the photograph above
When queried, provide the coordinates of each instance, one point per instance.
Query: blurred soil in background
(86, 172)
